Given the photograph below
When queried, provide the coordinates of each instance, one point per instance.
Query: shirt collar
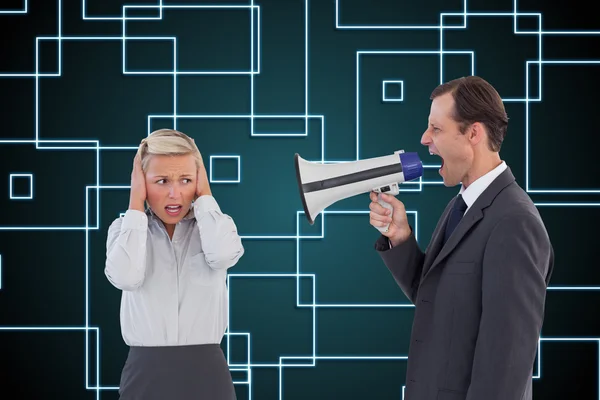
(475, 189)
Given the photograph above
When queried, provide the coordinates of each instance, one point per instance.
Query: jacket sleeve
(517, 265)
(405, 262)
(126, 250)
(221, 243)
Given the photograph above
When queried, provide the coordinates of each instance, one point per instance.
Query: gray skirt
(176, 373)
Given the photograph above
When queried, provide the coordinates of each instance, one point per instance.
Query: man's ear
(476, 133)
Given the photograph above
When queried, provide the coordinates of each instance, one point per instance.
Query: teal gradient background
(52, 279)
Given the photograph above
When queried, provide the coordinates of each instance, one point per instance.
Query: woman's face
(171, 186)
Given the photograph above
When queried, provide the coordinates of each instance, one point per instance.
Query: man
(479, 288)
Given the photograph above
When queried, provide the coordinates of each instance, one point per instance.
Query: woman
(170, 262)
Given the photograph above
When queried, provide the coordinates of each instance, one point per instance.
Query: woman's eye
(160, 182)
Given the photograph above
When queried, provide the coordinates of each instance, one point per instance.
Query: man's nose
(426, 138)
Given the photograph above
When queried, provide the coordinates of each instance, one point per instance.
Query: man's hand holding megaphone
(379, 216)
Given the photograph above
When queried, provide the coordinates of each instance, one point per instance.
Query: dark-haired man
(479, 288)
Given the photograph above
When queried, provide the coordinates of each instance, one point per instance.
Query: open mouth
(173, 210)
(435, 154)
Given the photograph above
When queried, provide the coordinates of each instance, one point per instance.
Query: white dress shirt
(475, 189)
(173, 291)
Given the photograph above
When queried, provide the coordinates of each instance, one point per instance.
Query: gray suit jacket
(479, 300)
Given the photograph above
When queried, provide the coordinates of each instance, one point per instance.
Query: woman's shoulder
(130, 219)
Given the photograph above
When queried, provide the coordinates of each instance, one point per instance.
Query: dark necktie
(455, 216)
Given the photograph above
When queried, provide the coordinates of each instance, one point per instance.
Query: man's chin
(445, 180)
(449, 182)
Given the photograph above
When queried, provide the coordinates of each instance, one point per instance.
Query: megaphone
(321, 185)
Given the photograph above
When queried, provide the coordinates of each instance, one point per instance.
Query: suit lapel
(470, 219)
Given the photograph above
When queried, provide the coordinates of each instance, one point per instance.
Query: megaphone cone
(297, 161)
(321, 185)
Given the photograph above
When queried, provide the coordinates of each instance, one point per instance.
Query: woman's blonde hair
(168, 142)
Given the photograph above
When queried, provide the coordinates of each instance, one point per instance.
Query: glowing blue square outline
(20, 175)
(237, 366)
(439, 53)
(338, 25)
(23, 11)
(38, 101)
(282, 365)
(453, 26)
(314, 318)
(525, 15)
(36, 73)
(143, 7)
(322, 236)
(248, 376)
(172, 71)
(238, 180)
(299, 235)
(392, 99)
(514, 15)
(58, 73)
(528, 189)
(72, 328)
(251, 118)
(90, 17)
(253, 70)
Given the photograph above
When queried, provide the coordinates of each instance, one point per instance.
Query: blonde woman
(170, 261)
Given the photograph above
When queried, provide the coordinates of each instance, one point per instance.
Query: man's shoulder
(511, 194)
(513, 202)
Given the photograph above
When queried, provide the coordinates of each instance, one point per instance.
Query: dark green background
(44, 272)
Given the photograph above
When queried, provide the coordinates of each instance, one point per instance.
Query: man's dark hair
(475, 100)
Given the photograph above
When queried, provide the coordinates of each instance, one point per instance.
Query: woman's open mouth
(173, 209)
